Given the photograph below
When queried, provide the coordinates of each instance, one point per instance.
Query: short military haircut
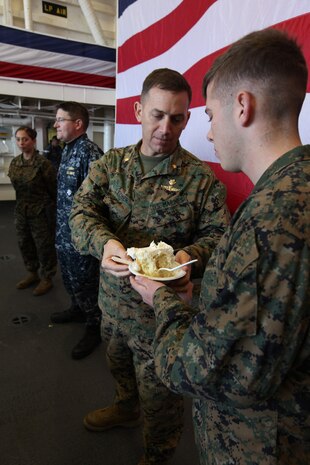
(271, 61)
(166, 79)
(76, 111)
(32, 133)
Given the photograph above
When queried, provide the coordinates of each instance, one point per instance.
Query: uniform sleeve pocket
(237, 291)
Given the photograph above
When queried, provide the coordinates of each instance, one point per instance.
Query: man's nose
(165, 125)
(209, 136)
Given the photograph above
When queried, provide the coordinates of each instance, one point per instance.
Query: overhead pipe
(92, 21)
(7, 13)
(28, 15)
(15, 121)
(28, 118)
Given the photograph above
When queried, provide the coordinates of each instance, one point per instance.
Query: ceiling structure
(24, 107)
(87, 21)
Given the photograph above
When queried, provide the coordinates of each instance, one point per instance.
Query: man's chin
(162, 148)
(229, 168)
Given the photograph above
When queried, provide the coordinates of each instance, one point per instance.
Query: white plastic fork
(127, 262)
(179, 266)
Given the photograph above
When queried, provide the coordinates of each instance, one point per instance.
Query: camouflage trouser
(36, 240)
(257, 435)
(80, 275)
(131, 362)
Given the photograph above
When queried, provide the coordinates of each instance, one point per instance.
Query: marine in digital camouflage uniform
(178, 201)
(244, 355)
(34, 181)
(80, 273)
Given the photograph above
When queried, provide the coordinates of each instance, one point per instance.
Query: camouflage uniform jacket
(179, 201)
(245, 355)
(74, 167)
(34, 182)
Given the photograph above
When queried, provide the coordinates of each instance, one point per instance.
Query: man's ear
(246, 105)
(138, 109)
(79, 124)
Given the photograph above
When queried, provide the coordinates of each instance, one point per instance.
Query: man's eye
(177, 119)
(209, 115)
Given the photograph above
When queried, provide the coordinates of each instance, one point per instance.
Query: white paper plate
(177, 275)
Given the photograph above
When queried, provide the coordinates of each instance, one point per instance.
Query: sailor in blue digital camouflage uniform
(244, 355)
(80, 273)
(153, 190)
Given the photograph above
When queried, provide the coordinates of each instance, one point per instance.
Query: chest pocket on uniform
(23, 175)
(71, 178)
(173, 219)
(119, 208)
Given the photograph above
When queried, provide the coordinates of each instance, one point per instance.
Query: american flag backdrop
(187, 35)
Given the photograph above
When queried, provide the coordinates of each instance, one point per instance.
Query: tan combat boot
(31, 278)
(109, 417)
(43, 287)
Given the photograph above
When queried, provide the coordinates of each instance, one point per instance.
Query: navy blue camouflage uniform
(80, 273)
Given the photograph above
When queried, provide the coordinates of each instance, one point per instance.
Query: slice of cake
(149, 259)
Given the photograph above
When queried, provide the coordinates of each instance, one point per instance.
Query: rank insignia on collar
(171, 187)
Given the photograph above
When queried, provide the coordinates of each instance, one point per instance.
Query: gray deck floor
(44, 394)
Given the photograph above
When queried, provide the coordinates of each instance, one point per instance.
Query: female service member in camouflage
(34, 180)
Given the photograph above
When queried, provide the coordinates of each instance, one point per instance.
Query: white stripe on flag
(34, 57)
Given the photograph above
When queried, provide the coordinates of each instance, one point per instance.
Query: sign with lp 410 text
(54, 9)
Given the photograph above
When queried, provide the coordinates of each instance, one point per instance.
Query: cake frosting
(148, 260)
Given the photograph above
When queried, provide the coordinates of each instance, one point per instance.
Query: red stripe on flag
(125, 110)
(162, 35)
(38, 73)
